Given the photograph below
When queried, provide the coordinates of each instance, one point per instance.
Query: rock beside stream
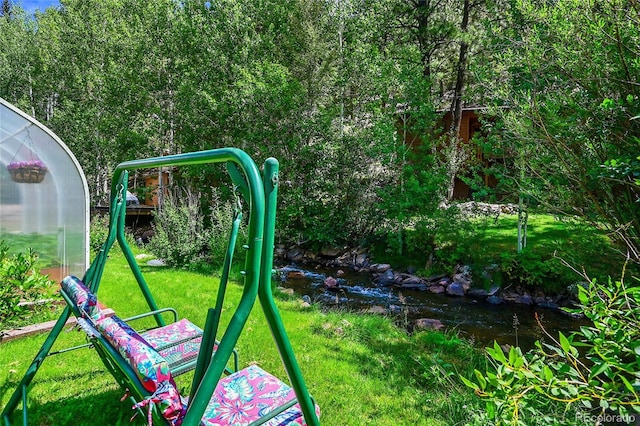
(460, 283)
(428, 324)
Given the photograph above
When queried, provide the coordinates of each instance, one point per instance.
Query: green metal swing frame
(260, 192)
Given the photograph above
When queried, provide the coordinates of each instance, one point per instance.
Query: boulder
(361, 261)
(428, 324)
(328, 251)
(380, 268)
(415, 286)
(413, 283)
(284, 290)
(345, 260)
(494, 290)
(385, 279)
(437, 289)
(295, 275)
(494, 300)
(411, 279)
(331, 283)
(455, 289)
(295, 254)
(478, 292)
(524, 299)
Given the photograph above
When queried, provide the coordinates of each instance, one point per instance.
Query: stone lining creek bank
(350, 281)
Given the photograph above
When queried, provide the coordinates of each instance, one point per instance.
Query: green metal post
(205, 352)
(131, 260)
(270, 182)
(226, 269)
(213, 315)
(94, 274)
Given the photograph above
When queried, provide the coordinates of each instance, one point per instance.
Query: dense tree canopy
(348, 95)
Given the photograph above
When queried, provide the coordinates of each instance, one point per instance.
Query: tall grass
(361, 369)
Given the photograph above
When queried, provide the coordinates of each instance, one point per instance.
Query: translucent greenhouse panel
(44, 198)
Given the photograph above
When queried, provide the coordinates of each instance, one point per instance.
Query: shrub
(601, 380)
(534, 271)
(222, 216)
(180, 237)
(19, 280)
(98, 231)
(438, 240)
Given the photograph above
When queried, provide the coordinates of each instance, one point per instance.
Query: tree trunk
(455, 153)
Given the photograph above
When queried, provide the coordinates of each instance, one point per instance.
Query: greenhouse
(44, 198)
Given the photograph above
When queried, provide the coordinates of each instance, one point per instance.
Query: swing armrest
(150, 313)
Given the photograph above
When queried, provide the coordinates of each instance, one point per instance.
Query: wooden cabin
(470, 125)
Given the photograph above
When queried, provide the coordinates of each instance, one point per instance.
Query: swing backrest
(150, 368)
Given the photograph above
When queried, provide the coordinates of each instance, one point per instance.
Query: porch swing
(145, 363)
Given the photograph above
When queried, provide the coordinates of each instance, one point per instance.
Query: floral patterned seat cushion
(172, 334)
(248, 395)
(149, 366)
(178, 343)
(82, 297)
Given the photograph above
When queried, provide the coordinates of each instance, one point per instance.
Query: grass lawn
(574, 242)
(558, 251)
(552, 244)
(361, 369)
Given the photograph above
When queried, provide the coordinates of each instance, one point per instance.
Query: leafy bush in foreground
(19, 280)
(558, 384)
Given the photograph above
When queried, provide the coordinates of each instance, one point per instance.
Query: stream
(474, 319)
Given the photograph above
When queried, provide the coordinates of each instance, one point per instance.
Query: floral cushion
(172, 334)
(149, 366)
(248, 395)
(178, 343)
(82, 297)
(183, 352)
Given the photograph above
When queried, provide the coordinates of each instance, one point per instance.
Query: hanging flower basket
(27, 171)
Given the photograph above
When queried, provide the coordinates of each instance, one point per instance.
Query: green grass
(546, 234)
(559, 251)
(554, 246)
(361, 369)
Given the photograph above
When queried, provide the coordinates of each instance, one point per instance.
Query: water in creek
(475, 319)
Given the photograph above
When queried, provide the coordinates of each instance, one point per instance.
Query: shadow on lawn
(98, 404)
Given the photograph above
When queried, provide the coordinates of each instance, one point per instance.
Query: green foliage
(222, 216)
(98, 231)
(590, 373)
(533, 270)
(180, 238)
(185, 237)
(436, 242)
(19, 281)
(569, 132)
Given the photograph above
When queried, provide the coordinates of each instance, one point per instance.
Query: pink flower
(23, 164)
